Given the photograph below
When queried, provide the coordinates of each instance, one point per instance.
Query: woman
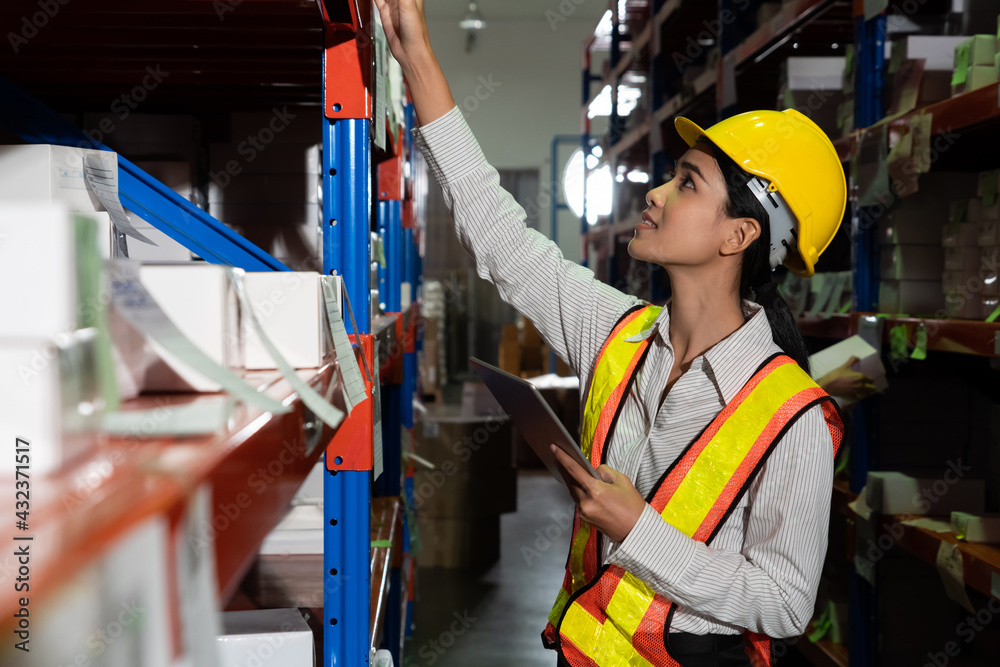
(705, 535)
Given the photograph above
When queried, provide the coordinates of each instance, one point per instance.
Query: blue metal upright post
(347, 493)
(869, 61)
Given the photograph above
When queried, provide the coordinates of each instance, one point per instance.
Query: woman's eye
(688, 183)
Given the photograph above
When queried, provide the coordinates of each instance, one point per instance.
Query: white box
(38, 256)
(913, 297)
(977, 528)
(200, 299)
(51, 397)
(911, 262)
(814, 73)
(281, 634)
(46, 173)
(962, 235)
(292, 311)
(937, 51)
(961, 259)
(891, 492)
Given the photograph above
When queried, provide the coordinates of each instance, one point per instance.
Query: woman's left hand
(613, 505)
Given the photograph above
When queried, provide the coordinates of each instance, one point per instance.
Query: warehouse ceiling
(583, 10)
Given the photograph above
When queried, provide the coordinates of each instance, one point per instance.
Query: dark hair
(755, 270)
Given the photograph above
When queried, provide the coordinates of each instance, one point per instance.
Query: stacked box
(974, 64)
(814, 86)
(265, 183)
(920, 70)
(459, 503)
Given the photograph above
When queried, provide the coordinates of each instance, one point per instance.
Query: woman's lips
(647, 221)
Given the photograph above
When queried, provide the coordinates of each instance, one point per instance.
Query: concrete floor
(495, 618)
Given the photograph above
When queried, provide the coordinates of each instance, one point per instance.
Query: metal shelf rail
(348, 218)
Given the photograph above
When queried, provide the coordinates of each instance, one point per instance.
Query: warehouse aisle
(494, 618)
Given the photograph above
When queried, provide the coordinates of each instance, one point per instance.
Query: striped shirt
(762, 569)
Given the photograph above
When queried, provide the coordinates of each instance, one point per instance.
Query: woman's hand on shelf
(847, 383)
(610, 504)
(410, 43)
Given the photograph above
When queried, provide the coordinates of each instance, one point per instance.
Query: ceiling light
(472, 20)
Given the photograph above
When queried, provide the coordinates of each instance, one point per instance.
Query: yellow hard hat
(799, 162)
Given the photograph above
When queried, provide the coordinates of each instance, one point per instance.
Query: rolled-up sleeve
(770, 585)
(573, 311)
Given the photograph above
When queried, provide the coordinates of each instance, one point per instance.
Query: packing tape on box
(321, 407)
(140, 310)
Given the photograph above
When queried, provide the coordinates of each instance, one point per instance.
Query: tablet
(532, 416)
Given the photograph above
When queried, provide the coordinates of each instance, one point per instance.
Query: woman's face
(685, 223)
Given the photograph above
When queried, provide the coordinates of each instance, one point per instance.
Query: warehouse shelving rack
(647, 144)
(245, 54)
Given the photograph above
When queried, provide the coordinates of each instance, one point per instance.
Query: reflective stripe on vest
(613, 371)
(616, 619)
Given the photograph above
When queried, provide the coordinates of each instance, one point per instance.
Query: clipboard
(532, 416)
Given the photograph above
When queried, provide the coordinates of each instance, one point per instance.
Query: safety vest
(604, 615)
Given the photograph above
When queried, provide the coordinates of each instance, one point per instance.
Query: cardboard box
(227, 161)
(911, 262)
(937, 51)
(962, 306)
(455, 543)
(478, 400)
(292, 311)
(474, 459)
(269, 188)
(987, 305)
(912, 297)
(976, 77)
(961, 259)
(281, 634)
(961, 235)
(49, 174)
(988, 232)
(979, 212)
(977, 528)
(509, 357)
(979, 50)
(51, 398)
(892, 492)
(201, 301)
(814, 73)
(38, 255)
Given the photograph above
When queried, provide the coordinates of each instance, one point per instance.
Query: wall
(533, 70)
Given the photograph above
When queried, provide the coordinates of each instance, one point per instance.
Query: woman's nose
(656, 197)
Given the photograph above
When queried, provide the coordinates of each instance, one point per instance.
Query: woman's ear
(742, 232)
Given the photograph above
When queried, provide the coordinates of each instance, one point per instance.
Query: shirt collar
(731, 362)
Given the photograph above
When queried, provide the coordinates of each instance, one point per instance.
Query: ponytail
(755, 271)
